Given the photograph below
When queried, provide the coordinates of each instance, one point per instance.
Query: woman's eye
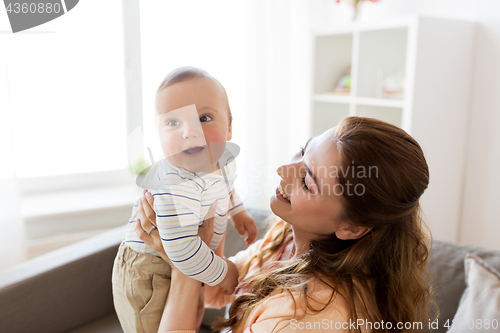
(304, 185)
(204, 119)
(173, 122)
(301, 151)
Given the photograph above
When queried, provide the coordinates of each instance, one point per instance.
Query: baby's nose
(192, 130)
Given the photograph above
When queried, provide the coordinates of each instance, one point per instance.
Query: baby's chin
(200, 164)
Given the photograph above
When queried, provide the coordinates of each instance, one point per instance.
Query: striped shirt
(182, 199)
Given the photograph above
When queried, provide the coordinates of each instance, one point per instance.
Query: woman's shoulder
(319, 311)
(276, 226)
(319, 296)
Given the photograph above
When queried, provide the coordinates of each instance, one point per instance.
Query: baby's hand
(244, 223)
(231, 280)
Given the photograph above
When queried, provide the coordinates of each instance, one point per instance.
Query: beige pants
(140, 287)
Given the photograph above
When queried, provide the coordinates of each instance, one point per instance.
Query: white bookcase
(435, 57)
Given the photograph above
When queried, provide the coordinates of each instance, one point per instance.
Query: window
(65, 82)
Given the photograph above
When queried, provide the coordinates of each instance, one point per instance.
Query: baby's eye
(204, 119)
(173, 122)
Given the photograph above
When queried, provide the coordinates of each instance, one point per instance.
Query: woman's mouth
(281, 195)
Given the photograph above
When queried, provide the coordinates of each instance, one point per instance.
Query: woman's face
(309, 181)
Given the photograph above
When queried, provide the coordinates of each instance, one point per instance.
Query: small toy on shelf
(343, 86)
(393, 86)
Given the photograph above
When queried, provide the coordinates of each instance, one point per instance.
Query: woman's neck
(301, 243)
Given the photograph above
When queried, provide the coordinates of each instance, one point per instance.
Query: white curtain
(11, 226)
(278, 92)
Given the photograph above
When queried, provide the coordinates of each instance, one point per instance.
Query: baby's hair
(186, 73)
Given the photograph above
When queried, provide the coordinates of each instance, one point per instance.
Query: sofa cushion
(446, 266)
(479, 307)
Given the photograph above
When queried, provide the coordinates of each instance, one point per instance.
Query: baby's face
(193, 122)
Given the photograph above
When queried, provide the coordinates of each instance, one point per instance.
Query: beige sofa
(69, 290)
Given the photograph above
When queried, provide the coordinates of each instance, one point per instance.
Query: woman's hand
(145, 220)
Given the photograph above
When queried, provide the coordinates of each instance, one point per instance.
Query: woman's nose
(288, 172)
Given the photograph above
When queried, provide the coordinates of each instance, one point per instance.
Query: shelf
(414, 73)
(382, 54)
(401, 22)
(331, 98)
(384, 102)
(333, 57)
(340, 99)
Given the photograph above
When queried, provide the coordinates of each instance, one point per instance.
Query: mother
(349, 252)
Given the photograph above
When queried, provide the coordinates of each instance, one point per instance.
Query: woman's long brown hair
(382, 276)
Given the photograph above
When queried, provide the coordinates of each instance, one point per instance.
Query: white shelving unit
(435, 58)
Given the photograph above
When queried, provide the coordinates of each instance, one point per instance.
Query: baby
(198, 171)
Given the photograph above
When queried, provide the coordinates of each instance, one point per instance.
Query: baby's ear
(229, 132)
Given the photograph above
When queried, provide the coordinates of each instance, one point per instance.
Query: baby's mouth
(194, 150)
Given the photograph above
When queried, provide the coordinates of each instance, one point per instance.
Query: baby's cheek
(215, 135)
(169, 144)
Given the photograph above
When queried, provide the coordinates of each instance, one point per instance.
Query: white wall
(480, 218)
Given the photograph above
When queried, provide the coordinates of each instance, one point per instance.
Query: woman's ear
(348, 231)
